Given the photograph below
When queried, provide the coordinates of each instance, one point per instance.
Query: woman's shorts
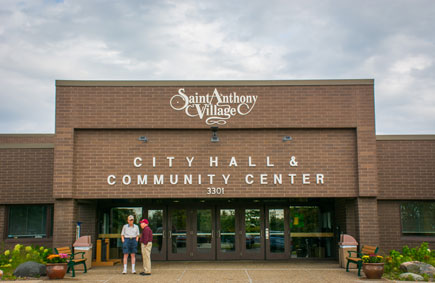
(129, 246)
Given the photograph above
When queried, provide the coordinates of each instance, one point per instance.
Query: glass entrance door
(203, 234)
(277, 234)
(252, 234)
(156, 223)
(240, 233)
(228, 241)
(178, 243)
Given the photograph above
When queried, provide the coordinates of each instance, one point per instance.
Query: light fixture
(143, 139)
(214, 137)
(287, 138)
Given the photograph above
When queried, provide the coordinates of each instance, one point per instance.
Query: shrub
(11, 259)
(395, 259)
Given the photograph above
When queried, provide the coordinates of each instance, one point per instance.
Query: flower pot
(56, 270)
(373, 270)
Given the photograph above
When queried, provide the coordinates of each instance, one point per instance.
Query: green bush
(11, 259)
(395, 259)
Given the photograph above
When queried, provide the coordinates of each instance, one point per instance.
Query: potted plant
(56, 265)
(373, 267)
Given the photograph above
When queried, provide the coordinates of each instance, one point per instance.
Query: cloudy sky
(391, 41)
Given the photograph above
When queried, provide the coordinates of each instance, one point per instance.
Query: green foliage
(395, 259)
(11, 259)
(372, 258)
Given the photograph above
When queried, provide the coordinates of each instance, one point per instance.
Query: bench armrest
(77, 253)
(357, 254)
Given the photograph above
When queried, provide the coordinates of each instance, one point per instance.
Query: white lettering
(233, 162)
(158, 179)
(188, 179)
(111, 180)
(250, 164)
(210, 176)
(170, 158)
(268, 162)
(277, 179)
(190, 160)
(249, 179)
(126, 179)
(173, 181)
(226, 178)
(142, 181)
(292, 178)
(305, 179)
(263, 179)
(213, 161)
(136, 164)
(319, 179)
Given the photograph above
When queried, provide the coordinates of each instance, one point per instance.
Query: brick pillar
(87, 215)
(65, 221)
(351, 220)
(63, 163)
(367, 224)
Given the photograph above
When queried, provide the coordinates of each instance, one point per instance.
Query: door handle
(219, 234)
(267, 233)
(212, 234)
(164, 234)
(170, 234)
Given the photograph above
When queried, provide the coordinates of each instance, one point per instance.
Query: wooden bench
(72, 259)
(357, 258)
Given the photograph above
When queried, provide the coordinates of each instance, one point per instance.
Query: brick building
(222, 169)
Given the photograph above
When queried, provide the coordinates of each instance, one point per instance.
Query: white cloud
(391, 41)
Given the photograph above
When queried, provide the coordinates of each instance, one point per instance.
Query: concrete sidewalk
(223, 271)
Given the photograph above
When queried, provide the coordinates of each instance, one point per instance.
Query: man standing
(146, 243)
(129, 237)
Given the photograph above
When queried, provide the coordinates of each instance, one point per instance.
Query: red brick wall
(98, 154)
(26, 175)
(65, 222)
(390, 229)
(351, 218)
(406, 169)
(87, 215)
(367, 221)
(147, 107)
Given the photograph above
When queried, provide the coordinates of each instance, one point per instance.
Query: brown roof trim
(405, 137)
(25, 135)
(217, 83)
(27, 145)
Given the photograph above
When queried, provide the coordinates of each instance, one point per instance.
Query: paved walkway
(223, 271)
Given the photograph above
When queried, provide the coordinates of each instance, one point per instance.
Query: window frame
(426, 234)
(48, 228)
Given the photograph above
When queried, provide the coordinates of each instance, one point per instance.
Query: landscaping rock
(415, 277)
(418, 267)
(30, 269)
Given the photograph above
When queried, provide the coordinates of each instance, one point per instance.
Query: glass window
(418, 218)
(27, 221)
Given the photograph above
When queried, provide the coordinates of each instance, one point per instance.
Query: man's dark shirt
(146, 236)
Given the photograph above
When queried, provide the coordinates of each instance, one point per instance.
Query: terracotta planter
(373, 270)
(56, 270)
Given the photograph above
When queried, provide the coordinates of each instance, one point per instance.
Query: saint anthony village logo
(216, 108)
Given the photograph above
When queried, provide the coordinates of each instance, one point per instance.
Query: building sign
(212, 180)
(215, 108)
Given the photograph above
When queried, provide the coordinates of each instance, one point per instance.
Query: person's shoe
(147, 273)
(124, 271)
(142, 273)
(133, 271)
